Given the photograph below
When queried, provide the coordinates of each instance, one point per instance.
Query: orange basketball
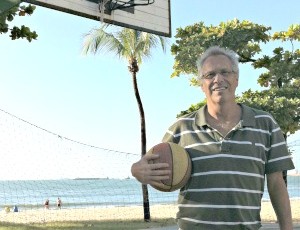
(179, 163)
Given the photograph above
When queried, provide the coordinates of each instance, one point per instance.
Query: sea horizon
(94, 192)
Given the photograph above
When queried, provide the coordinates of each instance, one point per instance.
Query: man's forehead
(217, 57)
(216, 61)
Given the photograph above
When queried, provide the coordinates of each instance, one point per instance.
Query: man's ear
(201, 88)
(200, 84)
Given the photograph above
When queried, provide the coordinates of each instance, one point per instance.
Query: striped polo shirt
(228, 173)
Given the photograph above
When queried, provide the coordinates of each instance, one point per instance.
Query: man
(232, 147)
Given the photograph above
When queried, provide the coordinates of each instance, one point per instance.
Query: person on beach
(16, 208)
(233, 148)
(7, 209)
(46, 204)
(58, 203)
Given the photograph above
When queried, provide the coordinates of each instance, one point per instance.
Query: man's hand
(149, 173)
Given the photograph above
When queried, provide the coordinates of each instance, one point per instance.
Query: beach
(119, 213)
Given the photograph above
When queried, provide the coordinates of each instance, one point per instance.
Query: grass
(91, 225)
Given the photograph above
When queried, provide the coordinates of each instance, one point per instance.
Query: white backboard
(153, 18)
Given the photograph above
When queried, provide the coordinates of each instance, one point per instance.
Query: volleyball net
(93, 183)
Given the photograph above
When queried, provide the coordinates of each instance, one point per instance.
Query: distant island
(100, 178)
(295, 173)
(90, 178)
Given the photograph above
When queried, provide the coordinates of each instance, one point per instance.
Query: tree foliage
(280, 70)
(17, 32)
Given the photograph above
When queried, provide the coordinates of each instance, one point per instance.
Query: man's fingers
(156, 183)
(151, 157)
(159, 166)
(160, 172)
(147, 172)
(154, 166)
(157, 179)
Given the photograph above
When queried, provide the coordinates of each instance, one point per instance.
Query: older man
(232, 147)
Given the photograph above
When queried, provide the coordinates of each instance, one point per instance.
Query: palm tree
(134, 46)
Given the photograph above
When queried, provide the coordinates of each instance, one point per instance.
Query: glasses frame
(212, 74)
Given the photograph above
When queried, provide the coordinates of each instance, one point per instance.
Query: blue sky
(90, 99)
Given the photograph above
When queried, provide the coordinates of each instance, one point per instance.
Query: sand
(119, 213)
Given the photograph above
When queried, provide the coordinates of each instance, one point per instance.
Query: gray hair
(216, 50)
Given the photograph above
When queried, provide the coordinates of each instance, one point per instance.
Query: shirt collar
(248, 116)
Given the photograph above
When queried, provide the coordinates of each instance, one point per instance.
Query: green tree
(134, 46)
(280, 70)
(8, 10)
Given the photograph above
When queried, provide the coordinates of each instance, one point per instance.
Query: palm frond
(98, 40)
(126, 43)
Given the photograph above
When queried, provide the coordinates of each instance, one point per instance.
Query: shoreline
(120, 213)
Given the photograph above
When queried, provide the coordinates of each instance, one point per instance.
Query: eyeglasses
(212, 74)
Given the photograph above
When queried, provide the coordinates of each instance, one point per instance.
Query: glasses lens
(211, 75)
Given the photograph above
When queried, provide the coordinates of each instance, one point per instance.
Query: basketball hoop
(111, 5)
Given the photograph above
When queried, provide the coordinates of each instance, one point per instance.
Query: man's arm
(280, 200)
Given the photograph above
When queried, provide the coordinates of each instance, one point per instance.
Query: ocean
(84, 193)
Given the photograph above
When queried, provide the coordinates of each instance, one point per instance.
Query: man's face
(219, 81)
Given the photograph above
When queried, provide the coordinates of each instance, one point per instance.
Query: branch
(244, 59)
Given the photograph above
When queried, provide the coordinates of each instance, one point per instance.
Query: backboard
(152, 16)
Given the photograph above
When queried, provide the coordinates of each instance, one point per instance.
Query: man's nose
(219, 77)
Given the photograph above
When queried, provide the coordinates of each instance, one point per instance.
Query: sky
(90, 99)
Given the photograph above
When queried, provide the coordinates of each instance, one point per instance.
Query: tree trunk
(284, 172)
(133, 68)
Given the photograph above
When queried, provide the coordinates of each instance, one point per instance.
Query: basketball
(179, 163)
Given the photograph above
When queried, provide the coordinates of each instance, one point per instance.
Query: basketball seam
(186, 175)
